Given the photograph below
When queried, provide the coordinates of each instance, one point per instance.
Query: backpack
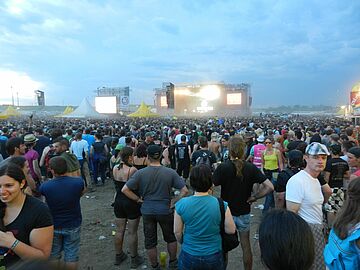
(342, 254)
(51, 153)
(205, 159)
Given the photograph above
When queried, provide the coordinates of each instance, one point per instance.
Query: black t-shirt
(293, 145)
(182, 152)
(34, 215)
(236, 190)
(337, 167)
(200, 153)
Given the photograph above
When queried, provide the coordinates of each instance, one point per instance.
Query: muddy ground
(97, 248)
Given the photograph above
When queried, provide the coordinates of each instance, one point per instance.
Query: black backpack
(205, 159)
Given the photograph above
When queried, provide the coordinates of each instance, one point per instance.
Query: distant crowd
(164, 171)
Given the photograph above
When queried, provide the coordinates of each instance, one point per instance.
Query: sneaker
(119, 258)
(136, 262)
(173, 265)
(157, 267)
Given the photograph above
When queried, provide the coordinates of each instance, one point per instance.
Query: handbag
(229, 241)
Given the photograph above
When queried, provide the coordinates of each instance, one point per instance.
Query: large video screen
(198, 99)
(105, 104)
(233, 99)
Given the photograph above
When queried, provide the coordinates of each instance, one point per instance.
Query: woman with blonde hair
(236, 178)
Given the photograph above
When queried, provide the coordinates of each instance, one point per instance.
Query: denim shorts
(67, 240)
(210, 262)
(242, 223)
(150, 229)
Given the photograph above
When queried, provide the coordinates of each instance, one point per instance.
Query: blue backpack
(342, 254)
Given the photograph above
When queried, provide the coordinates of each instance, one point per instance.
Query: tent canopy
(85, 110)
(67, 110)
(143, 111)
(10, 111)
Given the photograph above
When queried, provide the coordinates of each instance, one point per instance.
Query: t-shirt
(79, 148)
(30, 156)
(34, 215)
(202, 219)
(236, 190)
(201, 153)
(63, 198)
(305, 190)
(337, 168)
(154, 184)
(90, 140)
(71, 161)
(182, 151)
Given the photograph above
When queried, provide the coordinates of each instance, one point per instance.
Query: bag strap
(222, 214)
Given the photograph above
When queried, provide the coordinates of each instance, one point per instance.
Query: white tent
(85, 110)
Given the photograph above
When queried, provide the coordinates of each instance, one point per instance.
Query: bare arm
(229, 225)
(326, 190)
(280, 160)
(265, 188)
(130, 194)
(292, 206)
(40, 243)
(183, 192)
(327, 176)
(178, 227)
(280, 200)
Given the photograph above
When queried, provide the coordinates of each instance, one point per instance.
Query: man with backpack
(183, 153)
(203, 155)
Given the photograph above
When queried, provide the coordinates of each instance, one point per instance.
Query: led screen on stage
(163, 101)
(233, 99)
(105, 104)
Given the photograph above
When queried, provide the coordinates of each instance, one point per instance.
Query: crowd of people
(164, 172)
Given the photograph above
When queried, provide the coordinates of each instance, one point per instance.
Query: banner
(355, 96)
(124, 101)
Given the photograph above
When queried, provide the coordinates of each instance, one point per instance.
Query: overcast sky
(291, 52)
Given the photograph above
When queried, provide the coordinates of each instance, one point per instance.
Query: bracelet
(13, 246)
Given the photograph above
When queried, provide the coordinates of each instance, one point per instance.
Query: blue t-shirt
(201, 217)
(89, 138)
(63, 198)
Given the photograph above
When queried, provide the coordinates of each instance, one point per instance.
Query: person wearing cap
(304, 196)
(295, 164)
(225, 147)
(336, 172)
(32, 157)
(154, 185)
(354, 161)
(149, 139)
(256, 151)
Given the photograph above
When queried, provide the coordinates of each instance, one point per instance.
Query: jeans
(98, 168)
(67, 240)
(269, 199)
(207, 262)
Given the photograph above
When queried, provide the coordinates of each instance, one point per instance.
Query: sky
(291, 52)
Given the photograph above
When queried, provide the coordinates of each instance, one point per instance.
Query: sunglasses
(267, 142)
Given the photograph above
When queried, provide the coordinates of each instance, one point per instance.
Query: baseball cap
(149, 134)
(316, 148)
(154, 151)
(295, 155)
(119, 147)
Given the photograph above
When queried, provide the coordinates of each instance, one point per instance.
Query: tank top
(258, 150)
(270, 161)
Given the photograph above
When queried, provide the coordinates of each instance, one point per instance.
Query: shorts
(242, 222)
(126, 208)
(150, 229)
(67, 240)
(336, 200)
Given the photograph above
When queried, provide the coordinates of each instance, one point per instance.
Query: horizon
(289, 52)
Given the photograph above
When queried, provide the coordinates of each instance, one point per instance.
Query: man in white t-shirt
(304, 196)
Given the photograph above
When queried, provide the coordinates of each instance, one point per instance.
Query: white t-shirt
(178, 138)
(305, 190)
(78, 147)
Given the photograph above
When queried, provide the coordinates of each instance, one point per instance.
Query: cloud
(13, 84)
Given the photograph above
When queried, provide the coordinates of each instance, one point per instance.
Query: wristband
(13, 246)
